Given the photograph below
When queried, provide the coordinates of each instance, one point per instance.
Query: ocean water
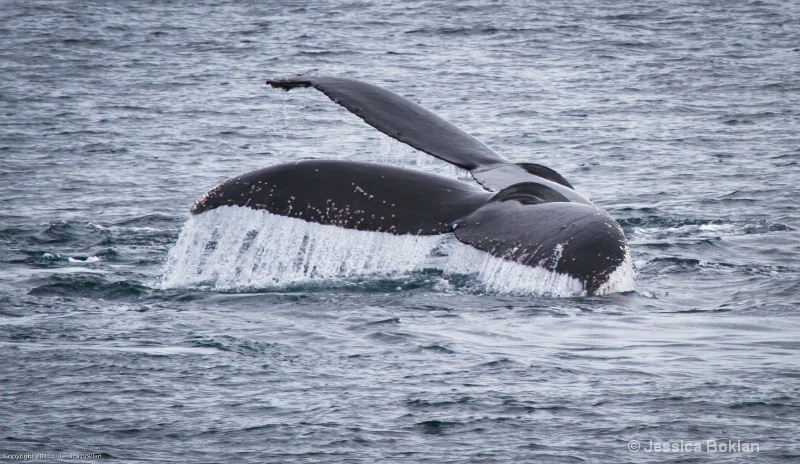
(678, 117)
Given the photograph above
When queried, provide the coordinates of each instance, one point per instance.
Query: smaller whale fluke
(400, 119)
(523, 213)
(423, 130)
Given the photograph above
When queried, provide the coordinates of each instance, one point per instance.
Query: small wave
(147, 222)
(435, 348)
(150, 350)
(234, 345)
(88, 285)
(630, 16)
(437, 427)
(84, 259)
(57, 232)
(456, 31)
(148, 230)
(661, 228)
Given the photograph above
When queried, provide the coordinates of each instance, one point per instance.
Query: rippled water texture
(679, 118)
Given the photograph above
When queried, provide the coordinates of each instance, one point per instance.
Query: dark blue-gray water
(680, 118)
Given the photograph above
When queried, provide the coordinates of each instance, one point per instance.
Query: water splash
(622, 279)
(503, 276)
(236, 249)
(231, 248)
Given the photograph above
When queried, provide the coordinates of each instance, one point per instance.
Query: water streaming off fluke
(240, 249)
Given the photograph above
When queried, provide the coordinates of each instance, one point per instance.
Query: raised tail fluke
(400, 119)
(421, 129)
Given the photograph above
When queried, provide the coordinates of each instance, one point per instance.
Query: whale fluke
(524, 213)
(400, 119)
(423, 130)
(352, 195)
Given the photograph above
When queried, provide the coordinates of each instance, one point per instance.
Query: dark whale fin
(412, 124)
(352, 195)
(567, 238)
(400, 119)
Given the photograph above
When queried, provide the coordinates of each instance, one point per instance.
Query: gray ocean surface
(680, 118)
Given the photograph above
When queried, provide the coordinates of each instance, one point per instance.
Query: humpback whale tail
(525, 213)
(423, 130)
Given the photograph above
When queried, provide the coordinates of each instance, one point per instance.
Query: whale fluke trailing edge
(522, 212)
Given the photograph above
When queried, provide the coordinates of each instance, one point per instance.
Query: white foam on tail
(622, 279)
(231, 248)
(503, 276)
(235, 248)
